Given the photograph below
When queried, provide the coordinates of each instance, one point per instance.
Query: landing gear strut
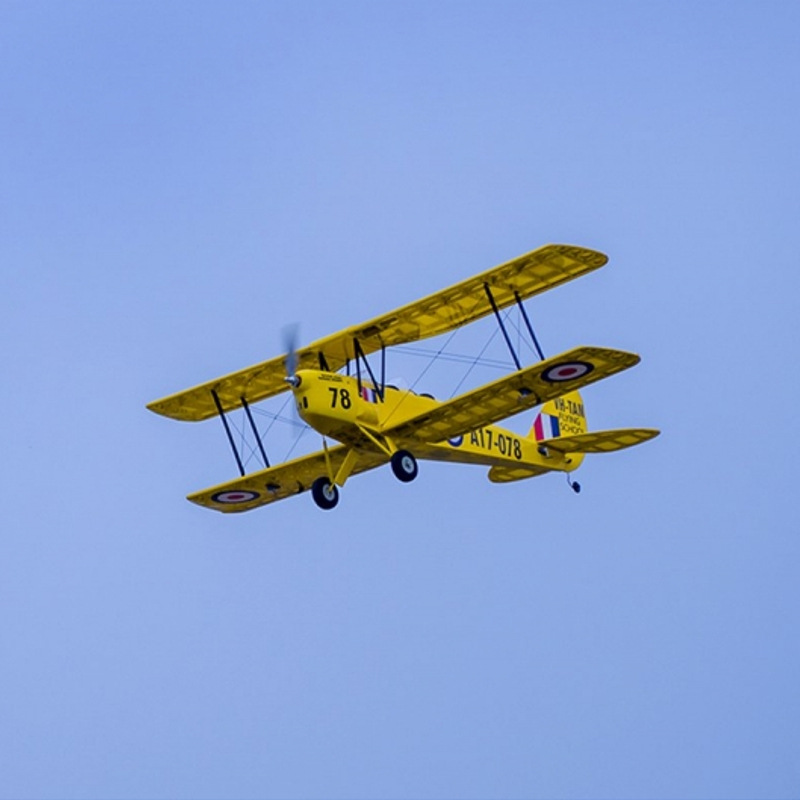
(404, 466)
(325, 493)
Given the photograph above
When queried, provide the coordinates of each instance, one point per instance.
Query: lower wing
(275, 483)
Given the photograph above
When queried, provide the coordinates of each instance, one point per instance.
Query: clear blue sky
(181, 180)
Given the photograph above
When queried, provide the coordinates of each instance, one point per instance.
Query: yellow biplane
(338, 394)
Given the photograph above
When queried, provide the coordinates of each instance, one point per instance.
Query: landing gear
(325, 493)
(574, 485)
(404, 466)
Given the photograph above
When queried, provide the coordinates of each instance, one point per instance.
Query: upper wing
(253, 384)
(521, 390)
(527, 275)
(530, 274)
(276, 483)
(600, 441)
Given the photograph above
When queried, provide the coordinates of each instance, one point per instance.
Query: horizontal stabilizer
(509, 474)
(600, 441)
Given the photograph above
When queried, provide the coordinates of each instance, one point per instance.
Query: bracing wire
(431, 354)
(457, 358)
(279, 416)
(300, 435)
(244, 443)
(474, 363)
(437, 354)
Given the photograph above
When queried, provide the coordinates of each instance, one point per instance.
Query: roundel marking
(567, 371)
(456, 441)
(235, 496)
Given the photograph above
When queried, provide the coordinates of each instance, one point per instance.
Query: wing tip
(593, 259)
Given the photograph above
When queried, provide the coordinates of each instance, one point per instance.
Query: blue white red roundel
(567, 371)
(235, 496)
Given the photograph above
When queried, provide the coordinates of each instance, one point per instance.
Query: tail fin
(561, 428)
(561, 425)
(564, 416)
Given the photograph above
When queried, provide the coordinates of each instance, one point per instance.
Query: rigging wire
(455, 357)
(302, 433)
(434, 359)
(432, 355)
(422, 374)
(246, 448)
(480, 361)
(278, 416)
(522, 337)
(244, 443)
(474, 363)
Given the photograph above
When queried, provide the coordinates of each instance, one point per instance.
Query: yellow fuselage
(334, 406)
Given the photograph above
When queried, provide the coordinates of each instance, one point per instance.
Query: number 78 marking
(342, 394)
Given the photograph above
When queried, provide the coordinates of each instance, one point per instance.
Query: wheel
(325, 493)
(404, 466)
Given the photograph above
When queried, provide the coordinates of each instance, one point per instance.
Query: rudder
(564, 416)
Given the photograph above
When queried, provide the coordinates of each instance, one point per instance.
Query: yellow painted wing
(276, 483)
(253, 384)
(517, 392)
(601, 441)
(527, 275)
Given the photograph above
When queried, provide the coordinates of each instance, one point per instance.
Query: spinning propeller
(290, 345)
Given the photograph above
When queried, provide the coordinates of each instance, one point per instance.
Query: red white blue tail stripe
(546, 427)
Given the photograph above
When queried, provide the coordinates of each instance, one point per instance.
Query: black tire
(404, 466)
(325, 493)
